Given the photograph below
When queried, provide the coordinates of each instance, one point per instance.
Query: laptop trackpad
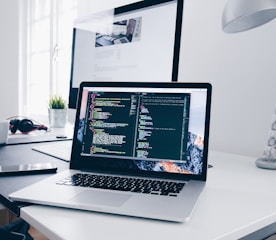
(100, 198)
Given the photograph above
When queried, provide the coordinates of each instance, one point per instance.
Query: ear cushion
(25, 125)
(14, 125)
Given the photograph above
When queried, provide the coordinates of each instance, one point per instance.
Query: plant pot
(57, 118)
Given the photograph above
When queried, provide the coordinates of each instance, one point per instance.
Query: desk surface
(239, 199)
(23, 153)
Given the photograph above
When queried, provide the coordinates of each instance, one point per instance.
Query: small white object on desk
(268, 161)
(4, 131)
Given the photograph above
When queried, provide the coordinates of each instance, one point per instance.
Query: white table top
(239, 199)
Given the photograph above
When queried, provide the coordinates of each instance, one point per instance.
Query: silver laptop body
(140, 131)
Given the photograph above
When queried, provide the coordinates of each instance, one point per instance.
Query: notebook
(139, 149)
(61, 150)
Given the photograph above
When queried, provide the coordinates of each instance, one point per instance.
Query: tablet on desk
(28, 168)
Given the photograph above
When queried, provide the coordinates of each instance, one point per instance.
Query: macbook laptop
(139, 149)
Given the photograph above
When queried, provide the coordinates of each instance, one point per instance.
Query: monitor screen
(138, 42)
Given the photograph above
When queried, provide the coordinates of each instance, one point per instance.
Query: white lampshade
(241, 15)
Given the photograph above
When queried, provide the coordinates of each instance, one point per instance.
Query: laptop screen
(144, 127)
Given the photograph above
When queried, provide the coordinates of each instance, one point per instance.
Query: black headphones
(25, 126)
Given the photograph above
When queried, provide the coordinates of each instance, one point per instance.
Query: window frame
(26, 26)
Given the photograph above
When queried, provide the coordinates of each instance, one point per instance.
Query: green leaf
(57, 102)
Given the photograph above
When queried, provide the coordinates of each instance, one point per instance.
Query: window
(49, 42)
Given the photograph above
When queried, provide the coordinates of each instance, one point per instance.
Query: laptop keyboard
(137, 185)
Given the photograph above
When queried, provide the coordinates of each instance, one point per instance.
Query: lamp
(242, 15)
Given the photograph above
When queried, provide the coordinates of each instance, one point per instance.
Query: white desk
(239, 199)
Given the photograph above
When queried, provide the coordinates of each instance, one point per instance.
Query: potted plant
(57, 112)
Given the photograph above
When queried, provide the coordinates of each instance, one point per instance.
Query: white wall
(87, 6)
(9, 52)
(241, 68)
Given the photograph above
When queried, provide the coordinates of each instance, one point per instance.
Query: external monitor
(138, 42)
